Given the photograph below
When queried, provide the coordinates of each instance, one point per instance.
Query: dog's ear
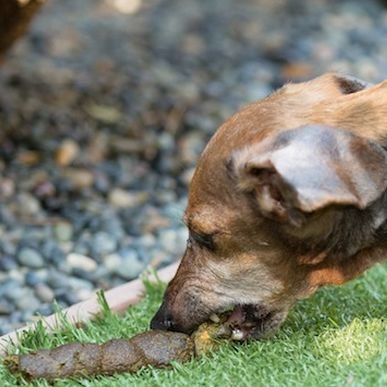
(309, 168)
(350, 85)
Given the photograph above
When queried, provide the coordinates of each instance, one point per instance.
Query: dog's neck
(359, 230)
(352, 231)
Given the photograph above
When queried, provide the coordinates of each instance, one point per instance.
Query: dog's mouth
(248, 321)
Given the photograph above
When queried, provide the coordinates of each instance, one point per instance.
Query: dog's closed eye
(203, 240)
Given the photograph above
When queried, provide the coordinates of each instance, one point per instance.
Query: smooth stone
(85, 294)
(17, 274)
(30, 258)
(130, 267)
(7, 246)
(56, 279)
(32, 278)
(131, 270)
(168, 240)
(44, 293)
(121, 198)
(126, 265)
(7, 263)
(67, 152)
(77, 283)
(66, 297)
(5, 326)
(147, 240)
(79, 178)
(63, 231)
(78, 261)
(104, 243)
(25, 300)
(6, 307)
(7, 286)
(28, 204)
(45, 310)
(112, 262)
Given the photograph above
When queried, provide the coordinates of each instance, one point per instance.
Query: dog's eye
(204, 240)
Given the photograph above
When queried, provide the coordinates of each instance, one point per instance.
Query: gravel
(30, 258)
(103, 115)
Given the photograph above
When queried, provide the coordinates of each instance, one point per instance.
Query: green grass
(337, 338)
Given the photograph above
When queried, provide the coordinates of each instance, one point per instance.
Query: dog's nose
(163, 319)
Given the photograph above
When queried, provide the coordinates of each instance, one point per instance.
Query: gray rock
(126, 265)
(32, 278)
(56, 279)
(63, 231)
(173, 240)
(24, 299)
(85, 294)
(6, 326)
(131, 265)
(28, 204)
(6, 308)
(27, 302)
(30, 258)
(44, 293)
(75, 283)
(112, 262)
(45, 309)
(7, 286)
(7, 263)
(120, 198)
(130, 268)
(104, 243)
(78, 261)
(7, 246)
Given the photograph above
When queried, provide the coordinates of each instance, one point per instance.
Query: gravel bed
(104, 110)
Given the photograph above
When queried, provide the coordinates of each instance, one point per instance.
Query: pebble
(78, 261)
(79, 178)
(27, 204)
(112, 262)
(127, 265)
(44, 293)
(5, 307)
(30, 258)
(63, 231)
(24, 299)
(130, 268)
(7, 286)
(27, 303)
(67, 152)
(32, 278)
(120, 198)
(7, 263)
(104, 243)
(171, 240)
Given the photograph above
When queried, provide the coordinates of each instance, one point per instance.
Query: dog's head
(278, 207)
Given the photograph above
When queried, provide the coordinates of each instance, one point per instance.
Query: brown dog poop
(155, 348)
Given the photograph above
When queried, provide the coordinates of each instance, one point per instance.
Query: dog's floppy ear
(349, 85)
(309, 168)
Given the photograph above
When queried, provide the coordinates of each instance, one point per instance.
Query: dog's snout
(162, 319)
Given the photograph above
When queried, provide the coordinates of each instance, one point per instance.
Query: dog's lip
(240, 321)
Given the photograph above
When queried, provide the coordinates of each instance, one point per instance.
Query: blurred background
(105, 106)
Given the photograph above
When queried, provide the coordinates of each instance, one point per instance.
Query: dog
(289, 195)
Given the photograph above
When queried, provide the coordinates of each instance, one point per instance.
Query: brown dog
(289, 195)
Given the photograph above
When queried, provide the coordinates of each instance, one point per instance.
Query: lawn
(336, 338)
